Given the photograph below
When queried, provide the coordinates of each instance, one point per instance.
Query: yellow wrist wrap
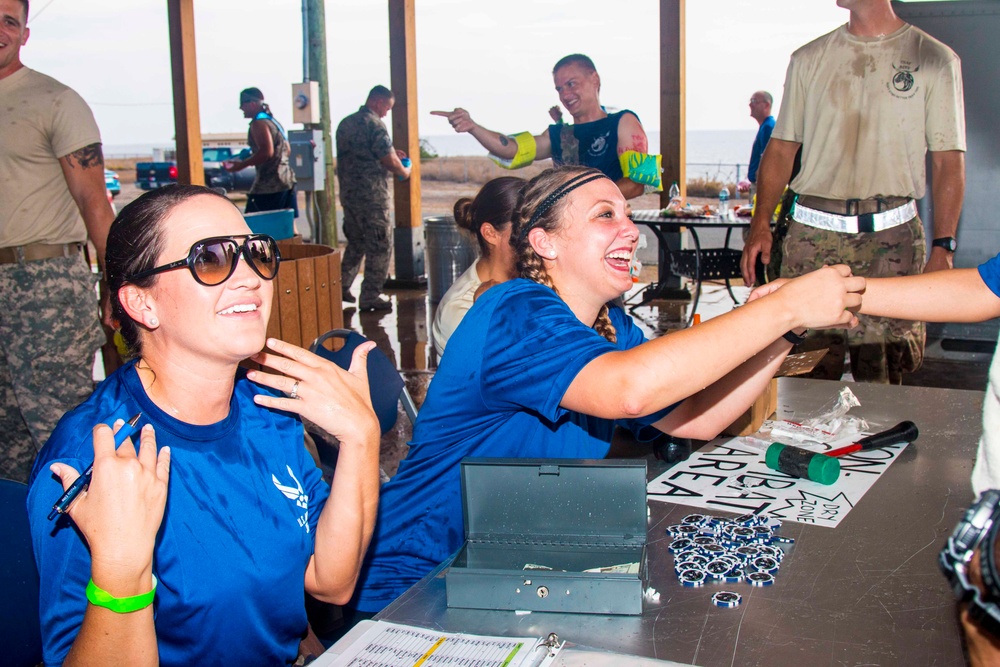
(526, 151)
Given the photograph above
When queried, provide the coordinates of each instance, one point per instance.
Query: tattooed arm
(631, 137)
(84, 173)
(495, 142)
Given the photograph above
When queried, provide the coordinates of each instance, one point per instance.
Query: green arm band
(642, 168)
(526, 151)
(102, 598)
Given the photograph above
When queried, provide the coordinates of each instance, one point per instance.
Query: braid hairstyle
(541, 194)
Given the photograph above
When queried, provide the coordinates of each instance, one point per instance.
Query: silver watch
(977, 530)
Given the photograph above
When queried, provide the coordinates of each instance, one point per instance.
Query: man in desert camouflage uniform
(365, 158)
(52, 197)
(865, 103)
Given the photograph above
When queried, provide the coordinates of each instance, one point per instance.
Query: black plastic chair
(20, 631)
(387, 387)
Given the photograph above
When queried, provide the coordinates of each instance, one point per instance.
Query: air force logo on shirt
(295, 493)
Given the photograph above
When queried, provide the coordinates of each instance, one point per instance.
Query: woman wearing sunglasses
(198, 548)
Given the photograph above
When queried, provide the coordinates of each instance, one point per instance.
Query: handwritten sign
(731, 476)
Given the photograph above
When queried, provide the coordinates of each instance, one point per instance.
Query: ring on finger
(294, 393)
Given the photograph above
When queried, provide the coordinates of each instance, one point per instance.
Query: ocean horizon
(703, 146)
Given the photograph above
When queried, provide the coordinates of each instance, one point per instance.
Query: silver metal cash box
(562, 535)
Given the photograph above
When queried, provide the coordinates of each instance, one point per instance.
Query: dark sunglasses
(212, 261)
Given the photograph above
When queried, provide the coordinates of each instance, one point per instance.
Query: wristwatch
(977, 530)
(947, 242)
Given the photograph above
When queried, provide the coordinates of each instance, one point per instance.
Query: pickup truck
(151, 175)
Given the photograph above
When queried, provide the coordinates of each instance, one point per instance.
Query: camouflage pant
(369, 237)
(49, 331)
(881, 349)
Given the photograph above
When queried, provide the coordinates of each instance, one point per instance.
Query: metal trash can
(448, 251)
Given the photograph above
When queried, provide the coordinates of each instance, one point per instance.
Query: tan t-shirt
(866, 110)
(42, 121)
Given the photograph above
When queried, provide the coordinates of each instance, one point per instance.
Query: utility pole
(316, 50)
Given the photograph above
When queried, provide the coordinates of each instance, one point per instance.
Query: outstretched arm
(735, 352)
(959, 295)
(495, 142)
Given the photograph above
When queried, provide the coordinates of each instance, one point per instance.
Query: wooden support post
(673, 98)
(184, 73)
(316, 44)
(406, 136)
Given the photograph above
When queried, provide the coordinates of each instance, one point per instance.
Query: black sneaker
(347, 297)
(380, 303)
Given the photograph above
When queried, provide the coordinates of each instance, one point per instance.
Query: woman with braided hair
(542, 366)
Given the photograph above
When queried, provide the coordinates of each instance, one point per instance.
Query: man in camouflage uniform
(865, 103)
(365, 158)
(52, 197)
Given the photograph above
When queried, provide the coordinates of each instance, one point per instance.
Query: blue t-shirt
(989, 271)
(593, 144)
(759, 144)
(237, 533)
(495, 394)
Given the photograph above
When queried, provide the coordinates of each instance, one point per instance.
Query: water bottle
(724, 202)
(635, 268)
(675, 196)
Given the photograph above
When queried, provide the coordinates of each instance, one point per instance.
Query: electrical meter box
(560, 535)
(305, 103)
(308, 159)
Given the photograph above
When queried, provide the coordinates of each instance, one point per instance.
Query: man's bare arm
(631, 137)
(265, 147)
(495, 142)
(772, 178)
(948, 188)
(84, 173)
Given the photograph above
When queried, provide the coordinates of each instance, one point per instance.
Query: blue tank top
(593, 144)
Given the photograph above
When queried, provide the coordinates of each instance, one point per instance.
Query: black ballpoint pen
(83, 481)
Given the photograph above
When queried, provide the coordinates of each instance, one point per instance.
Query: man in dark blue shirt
(760, 111)
(615, 143)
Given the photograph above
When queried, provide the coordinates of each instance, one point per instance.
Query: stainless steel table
(865, 593)
(698, 264)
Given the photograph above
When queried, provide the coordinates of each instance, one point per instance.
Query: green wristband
(102, 598)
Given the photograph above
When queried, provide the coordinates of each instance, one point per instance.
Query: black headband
(556, 195)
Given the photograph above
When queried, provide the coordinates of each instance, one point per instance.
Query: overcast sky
(492, 58)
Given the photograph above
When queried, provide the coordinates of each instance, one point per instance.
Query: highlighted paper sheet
(391, 645)
(731, 476)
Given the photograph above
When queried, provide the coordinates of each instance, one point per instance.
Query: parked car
(112, 183)
(151, 175)
(216, 175)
